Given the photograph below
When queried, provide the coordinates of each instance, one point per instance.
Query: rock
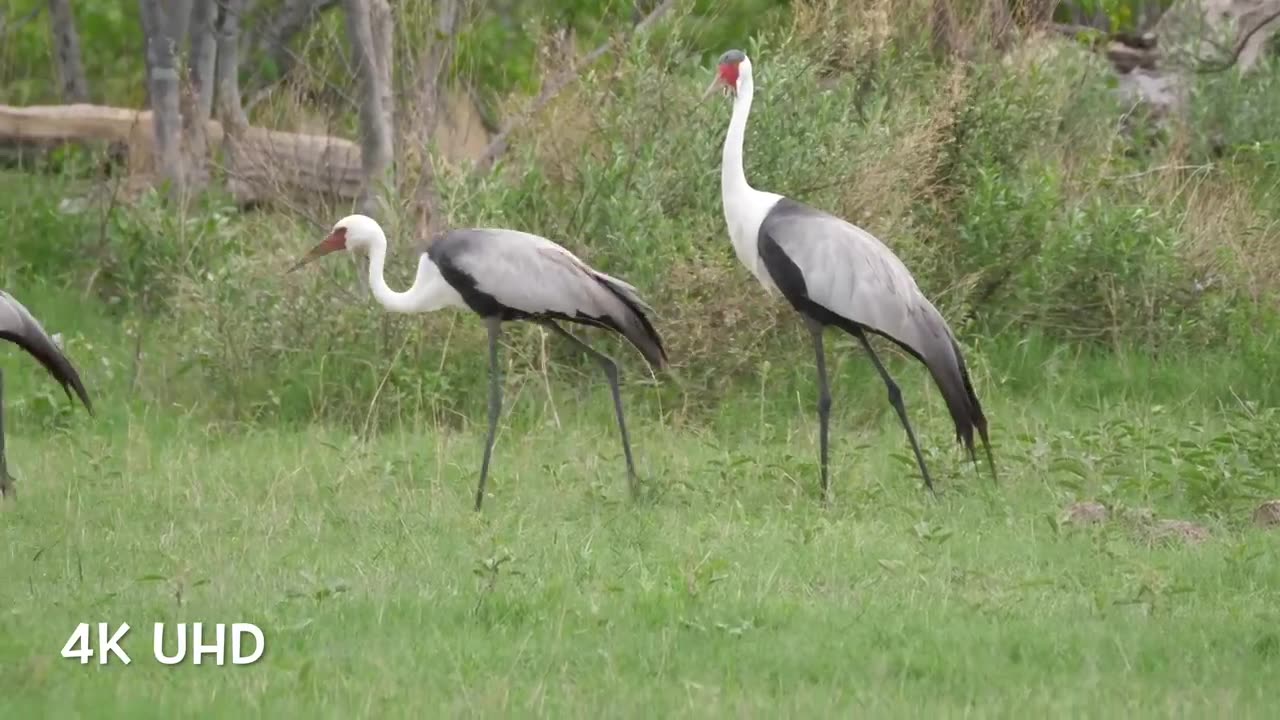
(1126, 57)
(1087, 512)
(1268, 514)
(1170, 530)
(1206, 32)
(1163, 94)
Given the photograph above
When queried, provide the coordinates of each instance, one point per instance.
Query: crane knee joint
(824, 403)
(895, 395)
(609, 366)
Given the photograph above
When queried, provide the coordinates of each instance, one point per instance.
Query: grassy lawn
(727, 591)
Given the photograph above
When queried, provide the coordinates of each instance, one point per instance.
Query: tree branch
(6, 28)
(1207, 67)
(1072, 30)
(292, 18)
(498, 145)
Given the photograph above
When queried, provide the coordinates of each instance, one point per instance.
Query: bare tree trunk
(197, 93)
(202, 60)
(369, 31)
(178, 13)
(433, 66)
(383, 43)
(163, 76)
(62, 21)
(230, 112)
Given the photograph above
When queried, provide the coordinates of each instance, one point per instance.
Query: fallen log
(269, 162)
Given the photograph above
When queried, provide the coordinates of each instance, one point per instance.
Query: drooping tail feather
(966, 410)
(637, 328)
(19, 326)
(947, 367)
(55, 363)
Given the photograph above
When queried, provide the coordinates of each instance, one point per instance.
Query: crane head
(353, 232)
(729, 73)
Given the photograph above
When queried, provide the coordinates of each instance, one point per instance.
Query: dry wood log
(270, 162)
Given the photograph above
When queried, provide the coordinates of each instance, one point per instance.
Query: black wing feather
(22, 329)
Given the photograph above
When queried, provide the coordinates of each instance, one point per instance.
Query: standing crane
(836, 274)
(18, 326)
(507, 275)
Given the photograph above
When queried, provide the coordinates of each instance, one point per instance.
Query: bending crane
(505, 275)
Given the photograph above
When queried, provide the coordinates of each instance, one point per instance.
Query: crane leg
(610, 369)
(494, 325)
(824, 401)
(895, 399)
(6, 480)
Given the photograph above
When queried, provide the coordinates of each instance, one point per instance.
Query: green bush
(1007, 187)
(1221, 469)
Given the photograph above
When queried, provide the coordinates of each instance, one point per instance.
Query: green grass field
(727, 590)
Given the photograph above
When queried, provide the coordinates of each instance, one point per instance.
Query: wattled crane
(506, 275)
(837, 274)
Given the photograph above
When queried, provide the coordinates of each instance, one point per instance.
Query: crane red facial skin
(729, 74)
(726, 76)
(336, 241)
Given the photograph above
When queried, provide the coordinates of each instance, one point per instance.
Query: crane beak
(335, 242)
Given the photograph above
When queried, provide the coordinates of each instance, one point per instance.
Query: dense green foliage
(497, 49)
(111, 46)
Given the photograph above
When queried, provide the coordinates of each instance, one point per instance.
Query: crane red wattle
(729, 73)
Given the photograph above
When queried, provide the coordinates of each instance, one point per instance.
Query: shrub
(1003, 183)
